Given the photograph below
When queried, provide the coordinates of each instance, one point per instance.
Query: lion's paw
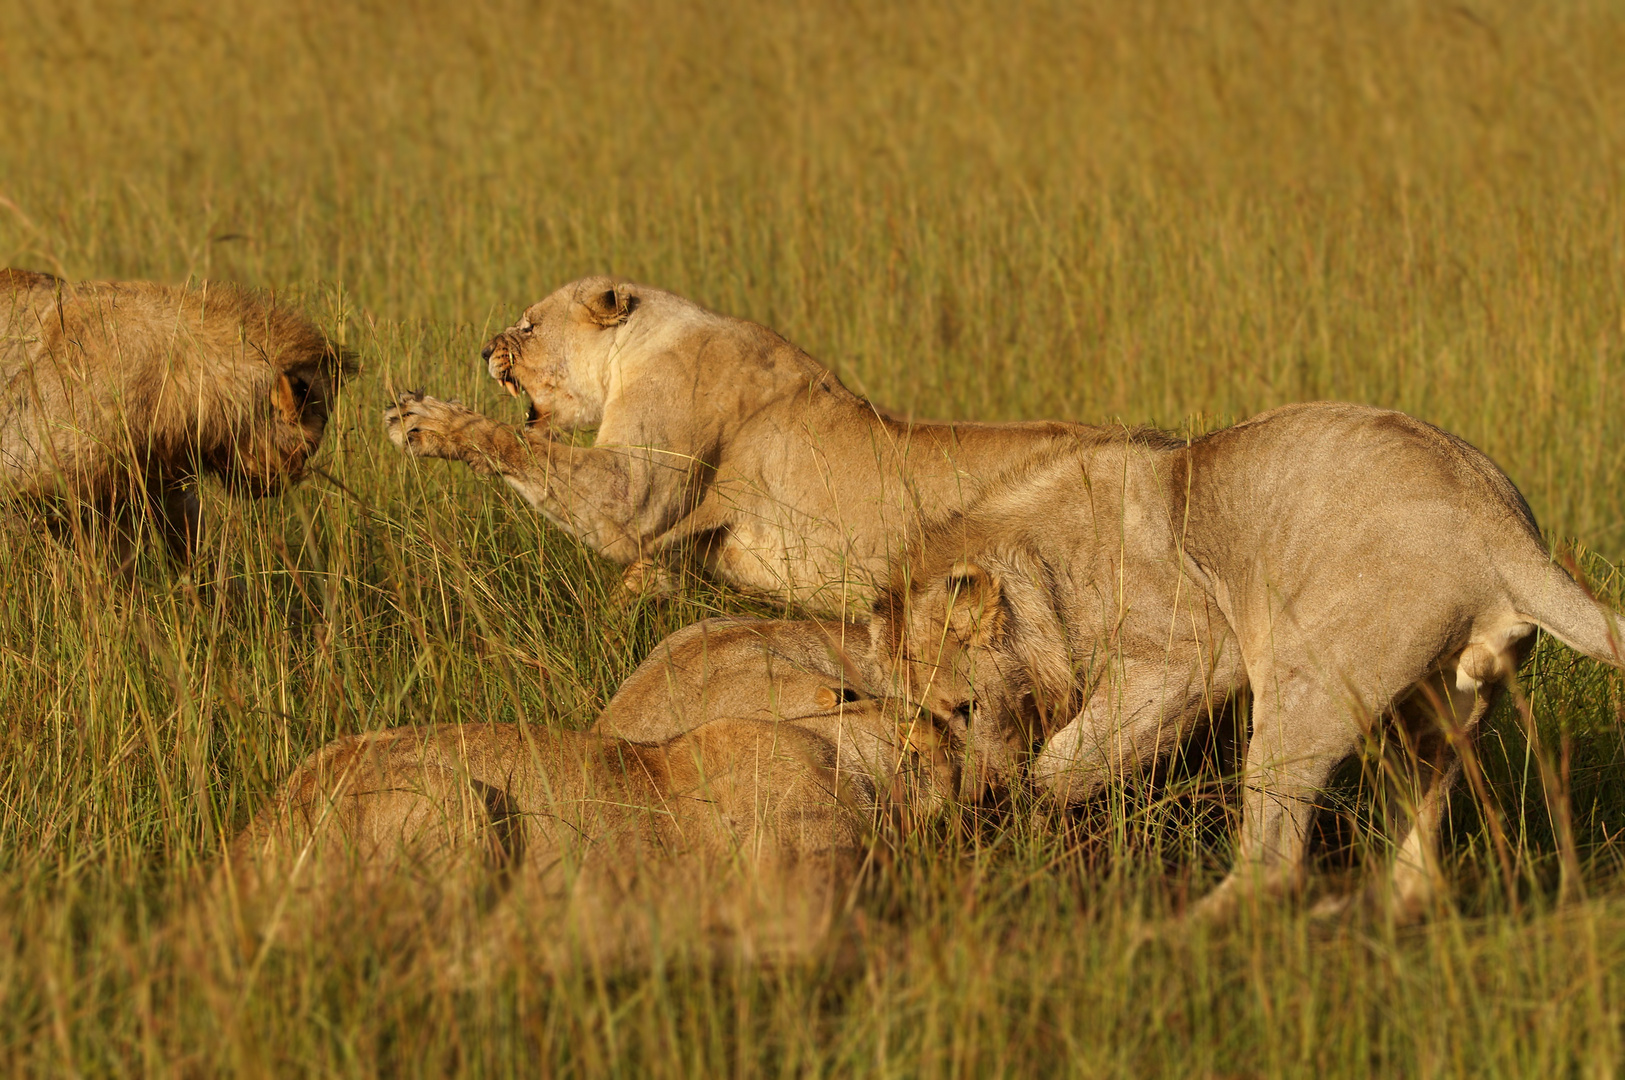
(423, 426)
(648, 579)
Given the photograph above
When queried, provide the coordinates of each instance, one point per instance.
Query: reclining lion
(119, 395)
(748, 832)
(716, 440)
(779, 669)
(751, 669)
(1341, 563)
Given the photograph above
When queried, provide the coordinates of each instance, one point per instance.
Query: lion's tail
(1548, 597)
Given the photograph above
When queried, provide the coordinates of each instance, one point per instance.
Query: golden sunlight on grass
(1152, 212)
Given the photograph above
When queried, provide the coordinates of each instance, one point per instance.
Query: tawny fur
(748, 833)
(1343, 564)
(118, 396)
(719, 444)
(752, 669)
(772, 669)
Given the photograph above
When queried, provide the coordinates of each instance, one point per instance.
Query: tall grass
(1151, 211)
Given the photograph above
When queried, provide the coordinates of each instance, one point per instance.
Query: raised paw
(423, 426)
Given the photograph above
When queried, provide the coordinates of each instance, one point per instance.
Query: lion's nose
(485, 353)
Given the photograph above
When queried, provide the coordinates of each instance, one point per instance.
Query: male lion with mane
(119, 395)
(717, 440)
(1345, 565)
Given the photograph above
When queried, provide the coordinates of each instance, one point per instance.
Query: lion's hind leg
(1444, 712)
(1302, 731)
(1438, 720)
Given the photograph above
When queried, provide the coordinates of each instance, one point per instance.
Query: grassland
(1148, 211)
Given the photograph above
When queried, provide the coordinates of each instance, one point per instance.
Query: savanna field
(1109, 211)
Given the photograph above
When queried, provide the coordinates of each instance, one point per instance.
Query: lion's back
(1338, 464)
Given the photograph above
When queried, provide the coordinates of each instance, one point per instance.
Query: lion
(779, 670)
(719, 444)
(120, 395)
(746, 668)
(750, 833)
(1341, 564)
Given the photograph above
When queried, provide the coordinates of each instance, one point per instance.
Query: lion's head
(968, 631)
(559, 353)
(266, 441)
(919, 755)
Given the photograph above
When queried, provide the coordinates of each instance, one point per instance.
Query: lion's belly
(813, 530)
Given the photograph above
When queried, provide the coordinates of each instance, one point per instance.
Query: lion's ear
(610, 306)
(283, 399)
(827, 697)
(975, 603)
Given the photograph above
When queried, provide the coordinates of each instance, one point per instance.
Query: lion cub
(748, 833)
(120, 395)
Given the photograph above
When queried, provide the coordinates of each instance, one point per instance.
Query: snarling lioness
(1345, 565)
(716, 440)
(747, 833)
(119, 395)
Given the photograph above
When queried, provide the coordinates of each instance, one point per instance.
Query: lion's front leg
(1138, 714)
(423, 426)
(616, 500)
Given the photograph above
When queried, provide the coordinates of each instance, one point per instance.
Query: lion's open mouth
(533, 415)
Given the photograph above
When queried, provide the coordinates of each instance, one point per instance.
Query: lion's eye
(525, 328)
(300, 388)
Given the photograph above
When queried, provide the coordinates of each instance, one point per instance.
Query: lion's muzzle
(501, 353)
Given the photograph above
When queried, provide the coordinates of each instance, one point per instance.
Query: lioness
(1339, 562)
(749, 831)
(119, 395)
(716, 438)
(754, 669)
(777, 669)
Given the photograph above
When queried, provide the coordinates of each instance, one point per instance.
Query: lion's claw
(423, 426)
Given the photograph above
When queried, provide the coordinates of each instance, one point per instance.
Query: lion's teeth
(513, 391)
